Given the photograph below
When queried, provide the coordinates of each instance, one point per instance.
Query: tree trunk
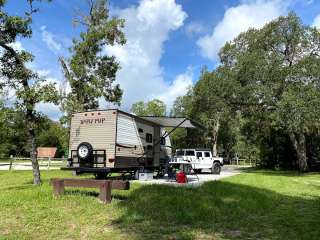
(29, 103)
(33, 148)
(35, 164)
(299, 143)
(215, 131)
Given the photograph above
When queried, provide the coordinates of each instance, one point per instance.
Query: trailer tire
(101, 175)
(84, 151)
(216, 168)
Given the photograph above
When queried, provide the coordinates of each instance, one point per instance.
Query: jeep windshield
(179, 153)
(190, 153)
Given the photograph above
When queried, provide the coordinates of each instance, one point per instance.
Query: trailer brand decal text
(93, 121)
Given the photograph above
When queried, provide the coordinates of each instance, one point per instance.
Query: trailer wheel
(84, 151)
(101, 175)
(216, 168)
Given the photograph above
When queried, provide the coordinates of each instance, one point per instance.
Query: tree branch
(17, 59)
(65, 68)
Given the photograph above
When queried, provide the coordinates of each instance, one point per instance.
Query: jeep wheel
(216, 168)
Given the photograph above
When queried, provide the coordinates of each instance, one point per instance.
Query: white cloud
(42, 72)
(316, 21)
(50, 110)
(194, 28)
(147, 27)
(178, 87)
(249, 14)
(50, 39)
(17, 46)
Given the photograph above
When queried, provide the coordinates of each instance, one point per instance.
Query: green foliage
(182, 138)
(91, 73)
(53, 134)
(209, 97)
(276, 78)
(139, 108)
(14, 134)
(182, 106)
(154, 107)
(263, 100)
(298, 110)
(271, 66)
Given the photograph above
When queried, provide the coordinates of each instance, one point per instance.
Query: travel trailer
(106, 141)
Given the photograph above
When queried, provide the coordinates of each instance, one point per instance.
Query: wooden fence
(243, 161)
(22, 163)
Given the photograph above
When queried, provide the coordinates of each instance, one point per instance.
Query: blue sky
(168, 41)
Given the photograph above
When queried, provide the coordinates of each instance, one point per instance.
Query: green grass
(253, 205)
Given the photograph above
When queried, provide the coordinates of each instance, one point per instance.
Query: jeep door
(198, 161)
(207, 159)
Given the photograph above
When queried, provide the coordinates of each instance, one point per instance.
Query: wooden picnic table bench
(105, 186)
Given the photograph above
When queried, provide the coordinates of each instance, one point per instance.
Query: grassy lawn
(253, 205)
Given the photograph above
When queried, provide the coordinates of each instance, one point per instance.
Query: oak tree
(90, 72)
(276, 73)
(29, 87)
(154, 107)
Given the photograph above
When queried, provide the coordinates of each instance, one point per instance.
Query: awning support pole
(164, 136)
(167, 134)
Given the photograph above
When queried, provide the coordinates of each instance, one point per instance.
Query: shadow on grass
(17, 188)
(91, 193)
(217, 209)
(277, 173)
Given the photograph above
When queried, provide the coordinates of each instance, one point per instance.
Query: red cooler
(181, 177)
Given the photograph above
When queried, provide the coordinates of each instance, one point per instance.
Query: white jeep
(198, 159)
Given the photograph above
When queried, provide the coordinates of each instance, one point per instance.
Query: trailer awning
(175, 122)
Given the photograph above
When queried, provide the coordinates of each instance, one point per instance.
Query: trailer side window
(149, 147)
(149, 138)
(140, 130)
(206, 154)
(199, 154)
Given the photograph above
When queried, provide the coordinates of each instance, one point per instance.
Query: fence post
(11, 162)
(49, 162)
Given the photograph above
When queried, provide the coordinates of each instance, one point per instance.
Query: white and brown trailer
(112, 140)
